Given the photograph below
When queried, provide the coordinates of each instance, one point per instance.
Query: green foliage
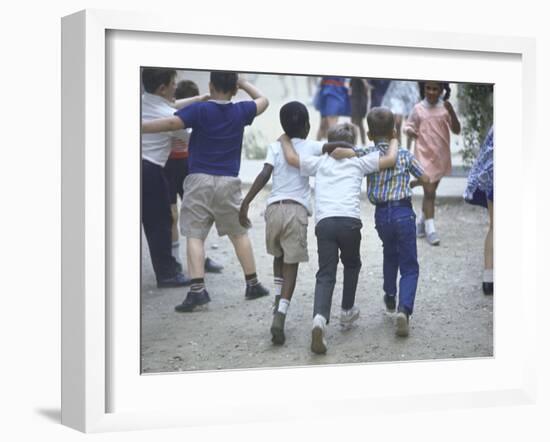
(254, 145)
(475, 105)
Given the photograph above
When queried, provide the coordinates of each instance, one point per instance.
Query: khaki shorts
(286, 232)
(208, 199)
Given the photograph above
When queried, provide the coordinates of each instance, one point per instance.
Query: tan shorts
(208, 199)
(286, 232)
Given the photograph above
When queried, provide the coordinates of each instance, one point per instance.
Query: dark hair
(444, 85)
(153, 78)
(294, 119)
(381, 122)
(343, 132)
(186, 89)
(224, 81)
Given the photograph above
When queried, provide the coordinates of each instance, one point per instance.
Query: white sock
(176, 250)
(488, 275)
(320, 318)
(283, 306)
(430, 226)
(278, 282)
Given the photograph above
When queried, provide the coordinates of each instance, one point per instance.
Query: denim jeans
(396, 228)
(337, 234)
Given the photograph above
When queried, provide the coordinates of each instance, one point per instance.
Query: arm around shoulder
(167, 124)
(291, 156)
(389, 159)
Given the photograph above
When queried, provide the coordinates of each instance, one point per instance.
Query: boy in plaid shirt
(390, 192)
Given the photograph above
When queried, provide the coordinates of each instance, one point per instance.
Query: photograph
(304, 220)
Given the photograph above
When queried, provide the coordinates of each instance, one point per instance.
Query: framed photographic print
(129, 358)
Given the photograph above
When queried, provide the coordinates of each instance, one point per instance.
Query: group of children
(212, 194)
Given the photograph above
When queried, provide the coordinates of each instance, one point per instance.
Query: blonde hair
(343, 132)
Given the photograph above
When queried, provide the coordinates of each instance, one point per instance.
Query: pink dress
(432, 149)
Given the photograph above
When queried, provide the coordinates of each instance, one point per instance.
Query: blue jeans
(396, 228)
(337, 234)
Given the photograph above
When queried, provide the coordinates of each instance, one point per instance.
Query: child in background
(212, 190)
(338, 223)
(332, 101)
(176, 169)
(479, 191)
(394, 218)
(288, 208)
(430, 124)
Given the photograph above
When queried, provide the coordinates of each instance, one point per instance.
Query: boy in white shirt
(338, 222)
(288, 208)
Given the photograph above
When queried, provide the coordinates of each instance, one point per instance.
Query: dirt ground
(452, 318)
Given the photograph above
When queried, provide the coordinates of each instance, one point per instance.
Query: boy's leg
(277, 280)
(157, 220)
(243, 250)
(408, 264)
(327, 250)
(487, 285)
(290, 271)
(349, 242)
(387, 235)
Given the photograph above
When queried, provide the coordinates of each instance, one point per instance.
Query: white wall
(30, 221)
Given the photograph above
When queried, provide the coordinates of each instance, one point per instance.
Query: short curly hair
(343, 132)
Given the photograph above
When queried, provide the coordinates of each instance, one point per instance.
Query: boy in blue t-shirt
(212, 189)
(390, 192)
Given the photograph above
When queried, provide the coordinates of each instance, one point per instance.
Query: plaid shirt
(392, 184)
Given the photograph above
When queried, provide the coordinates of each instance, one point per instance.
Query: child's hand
(414, 183)
(243, 216)
(342, 152)
(412, 133)
(447, 104)
(241, 81)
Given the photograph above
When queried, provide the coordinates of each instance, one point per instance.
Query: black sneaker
(487, 288)
(389, 300)
(278, 328)
(211, 266)
(255, 291)
(178, 280)
(193, 300)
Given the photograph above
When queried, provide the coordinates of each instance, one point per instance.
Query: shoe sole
(402, 326)
(250, 298)
(317, 344)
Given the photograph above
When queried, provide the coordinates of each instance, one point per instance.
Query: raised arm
(291, 156)
(167, 124)
(261, 101)
(258, 184)
(455, 124)
(388, 160)
(183, 102)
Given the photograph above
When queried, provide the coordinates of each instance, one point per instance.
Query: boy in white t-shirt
(288, 208)
(338, 222)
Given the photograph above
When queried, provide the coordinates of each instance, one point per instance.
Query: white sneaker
(318, 341)
(433, 238)
(348, 317)
(402, 324)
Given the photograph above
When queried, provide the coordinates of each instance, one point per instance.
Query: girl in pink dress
(430, 124)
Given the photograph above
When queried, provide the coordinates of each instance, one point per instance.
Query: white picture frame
(88, 316)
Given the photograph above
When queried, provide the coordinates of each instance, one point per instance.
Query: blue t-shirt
(217, 136)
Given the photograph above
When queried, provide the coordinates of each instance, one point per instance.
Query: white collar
(220, 101)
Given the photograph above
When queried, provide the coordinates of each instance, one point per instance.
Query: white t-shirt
(338, 183)
(156, 147)
(288, 183)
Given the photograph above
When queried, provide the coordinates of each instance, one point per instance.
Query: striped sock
(251, 279)
(278, 282)
(197, 285)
